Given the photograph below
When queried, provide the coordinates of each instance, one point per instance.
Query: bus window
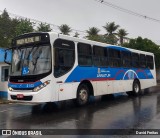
(114, 57)
(64, 56)
(84, 54)
(149, 60)
(142, 61)
(99, 56)
(126, 59)
(135, 60)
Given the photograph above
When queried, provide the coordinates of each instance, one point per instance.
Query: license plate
(20, 96)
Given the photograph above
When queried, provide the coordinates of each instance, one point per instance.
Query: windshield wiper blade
(36, 59)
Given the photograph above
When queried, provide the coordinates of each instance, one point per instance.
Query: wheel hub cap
(136, 88)
(83, 95)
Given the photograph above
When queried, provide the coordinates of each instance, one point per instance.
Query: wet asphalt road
(118, 112)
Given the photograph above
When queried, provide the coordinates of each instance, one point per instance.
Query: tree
(43, 27)
(92, 31)
(24, 26)
(65, 29)
(111, 39)
(111, 28)
(5, 14)
(111, 35)
(76, 34)
(7, 29)
(122, 33)
(93, 34)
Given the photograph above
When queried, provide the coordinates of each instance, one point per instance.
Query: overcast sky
(82, 14)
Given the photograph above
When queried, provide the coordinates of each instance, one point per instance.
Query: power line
(126, 10)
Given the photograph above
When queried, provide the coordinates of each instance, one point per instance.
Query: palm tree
(110, 36)
(111, 28)
(43, 27)
(92, 33)
(65, 29)
(122, 33)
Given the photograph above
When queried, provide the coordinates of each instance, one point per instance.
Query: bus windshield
(31, 60)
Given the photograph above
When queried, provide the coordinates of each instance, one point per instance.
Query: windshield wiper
(36, 59)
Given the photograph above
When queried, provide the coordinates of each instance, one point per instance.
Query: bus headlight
(10, 89)
(36, 89)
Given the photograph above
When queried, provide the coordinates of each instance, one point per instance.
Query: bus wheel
(136, 89)
(82, 95)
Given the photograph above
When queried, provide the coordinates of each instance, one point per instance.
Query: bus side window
(64, 54)
(142, 61)
(149, 60)
(135, 60)
(114, 57)
(126, 59)
(84, 54)
(100, 56)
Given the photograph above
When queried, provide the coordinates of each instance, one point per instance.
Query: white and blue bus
(49, 67)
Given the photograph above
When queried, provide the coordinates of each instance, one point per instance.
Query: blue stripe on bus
(99, 74)
(24, 85)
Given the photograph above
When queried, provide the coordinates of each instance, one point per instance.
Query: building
(4, 73)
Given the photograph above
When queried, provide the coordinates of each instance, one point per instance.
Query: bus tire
(82, 95)
(136, 89)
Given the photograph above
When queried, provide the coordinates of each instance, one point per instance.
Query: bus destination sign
(28, 40)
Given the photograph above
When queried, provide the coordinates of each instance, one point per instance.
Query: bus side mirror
(7, 56)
